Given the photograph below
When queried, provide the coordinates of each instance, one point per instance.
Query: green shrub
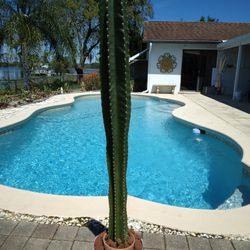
(132, 83)
(66, 87)
(55, 85)
(4, 99)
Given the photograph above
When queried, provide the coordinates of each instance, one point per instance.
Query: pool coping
(223, 222)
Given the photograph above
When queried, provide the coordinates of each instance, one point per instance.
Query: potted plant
(116, 108)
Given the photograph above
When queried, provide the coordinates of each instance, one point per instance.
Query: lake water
(10, 73)
(13, 73)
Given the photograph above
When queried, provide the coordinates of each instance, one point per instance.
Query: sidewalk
(33, 236)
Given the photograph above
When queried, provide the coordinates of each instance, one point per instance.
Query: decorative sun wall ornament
(166, 63)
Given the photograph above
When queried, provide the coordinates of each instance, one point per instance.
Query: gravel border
(134, 224)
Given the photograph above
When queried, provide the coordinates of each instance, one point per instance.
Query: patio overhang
(133, 58)
(235, 42)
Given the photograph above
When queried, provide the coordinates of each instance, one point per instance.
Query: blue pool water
(62, 151)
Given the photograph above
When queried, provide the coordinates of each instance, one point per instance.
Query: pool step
(234, 201)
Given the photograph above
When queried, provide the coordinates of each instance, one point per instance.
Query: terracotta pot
(107, 247)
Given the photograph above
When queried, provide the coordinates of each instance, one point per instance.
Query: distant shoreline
(15, 72)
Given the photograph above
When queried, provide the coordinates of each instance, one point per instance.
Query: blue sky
(192, 10)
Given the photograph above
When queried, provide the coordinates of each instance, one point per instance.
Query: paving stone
(84, 234)
(45, 231)
(60, 245)
(241, 245)
(153, 241)
(24, 229)
(2, 239)
(14, 243)
(220, 244)
(196, 243)
(150, 248)
(80, 245)
(175, 242)
(66, 233)
(7, 226)
(37, 244)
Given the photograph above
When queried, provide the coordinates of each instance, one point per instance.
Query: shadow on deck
(241, 105)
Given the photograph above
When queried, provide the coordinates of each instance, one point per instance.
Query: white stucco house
(198, 55)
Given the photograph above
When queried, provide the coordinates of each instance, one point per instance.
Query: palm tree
(27, 23)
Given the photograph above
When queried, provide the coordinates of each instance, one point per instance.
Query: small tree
(84, 24)
(60, 66)
(209, 19)
(138, 12)
(82, 18)
(116, 106)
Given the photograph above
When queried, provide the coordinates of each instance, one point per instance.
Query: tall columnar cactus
(116, 106)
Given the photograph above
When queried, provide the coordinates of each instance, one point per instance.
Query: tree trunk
(84, 50)
(25, 67)
(79, 68)
(79, 72)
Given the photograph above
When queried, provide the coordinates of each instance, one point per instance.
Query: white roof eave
(131, 59)
(235, 42)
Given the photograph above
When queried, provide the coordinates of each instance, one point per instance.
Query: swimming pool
(63, 152)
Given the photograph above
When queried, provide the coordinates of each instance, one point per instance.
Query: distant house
(196, 55)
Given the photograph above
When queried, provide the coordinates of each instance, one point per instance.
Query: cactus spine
(116, 107)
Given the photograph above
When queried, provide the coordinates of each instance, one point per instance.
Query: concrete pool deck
(198, 110)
